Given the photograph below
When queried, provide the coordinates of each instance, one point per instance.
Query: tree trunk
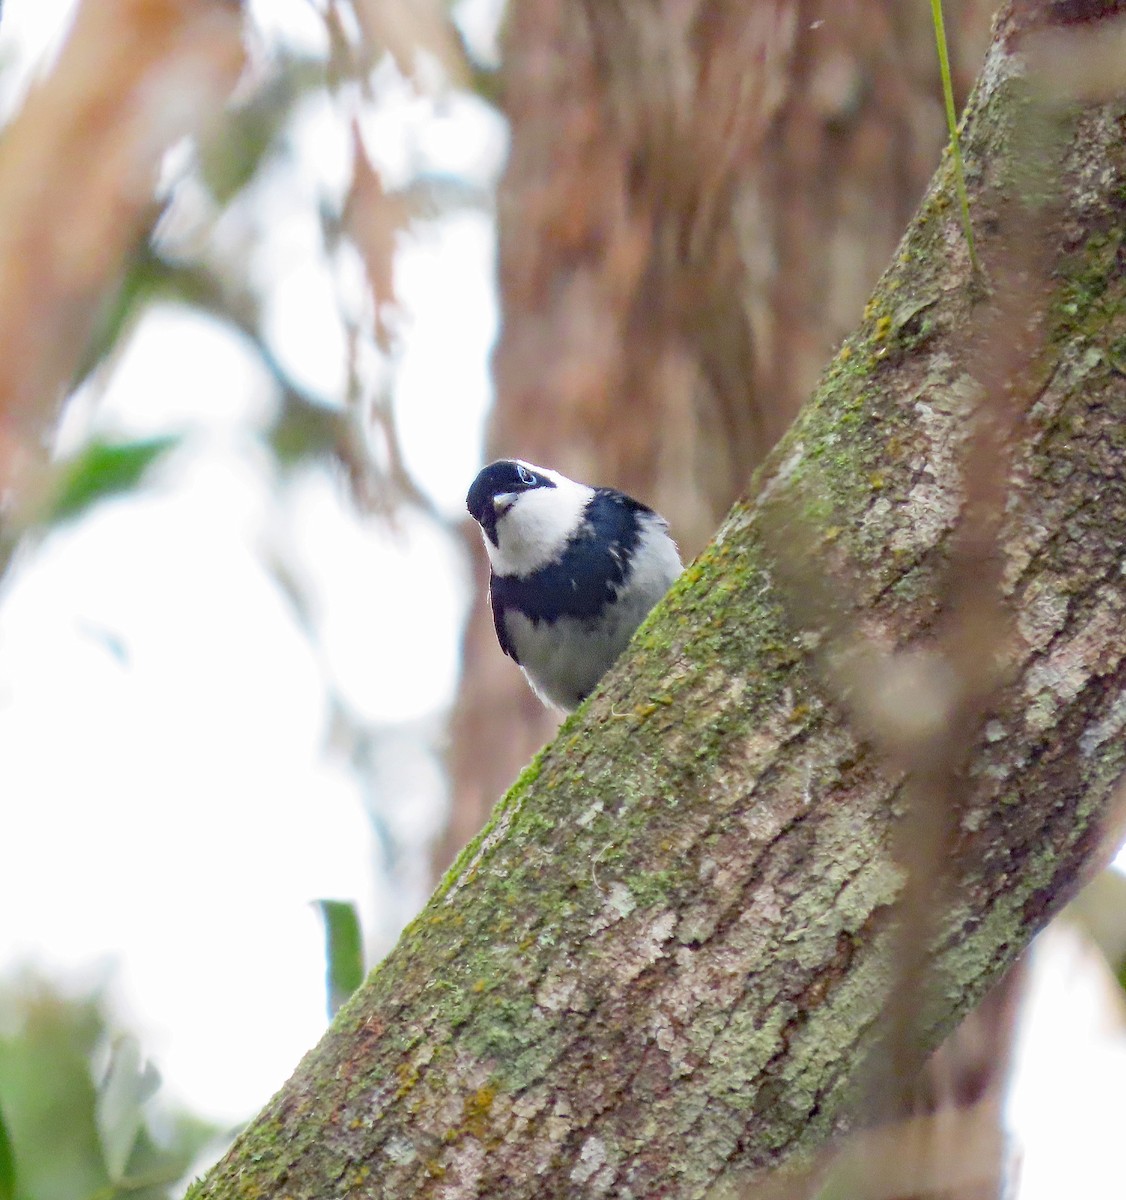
(789, 208)
(666, 957)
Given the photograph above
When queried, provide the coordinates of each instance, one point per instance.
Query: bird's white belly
(565, 658)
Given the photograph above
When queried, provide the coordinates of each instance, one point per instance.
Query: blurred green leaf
(143, 278)
(7, 1164)
(255, 129)
(128, 1083)
(48, 1095)
(344, 950)
(100, 470)
(56, 1119)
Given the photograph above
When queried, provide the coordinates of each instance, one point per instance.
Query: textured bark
(666, 956)
(849, 153)
(681, 253)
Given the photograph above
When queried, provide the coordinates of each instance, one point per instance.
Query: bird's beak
(503, 502)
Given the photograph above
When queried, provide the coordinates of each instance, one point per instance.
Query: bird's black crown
(498, 478)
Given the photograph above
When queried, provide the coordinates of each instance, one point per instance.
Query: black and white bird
(575, 570)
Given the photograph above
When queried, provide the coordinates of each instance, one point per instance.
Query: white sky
(170, 807)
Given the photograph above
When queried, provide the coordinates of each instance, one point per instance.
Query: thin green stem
(952, 124)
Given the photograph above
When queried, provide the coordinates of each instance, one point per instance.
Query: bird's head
(527, 514)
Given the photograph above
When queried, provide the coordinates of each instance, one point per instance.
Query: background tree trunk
(667, 955)
(689, 227)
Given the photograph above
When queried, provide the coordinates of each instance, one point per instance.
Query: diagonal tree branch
(667, 956)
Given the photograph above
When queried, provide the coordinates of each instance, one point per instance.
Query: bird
(574, 571)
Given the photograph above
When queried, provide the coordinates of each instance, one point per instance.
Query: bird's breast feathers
(567, 623)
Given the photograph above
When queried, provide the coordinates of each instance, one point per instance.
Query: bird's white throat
(533, 527)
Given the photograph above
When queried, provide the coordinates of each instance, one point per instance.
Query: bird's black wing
(628, 504)
(498, 622)
(620, 498)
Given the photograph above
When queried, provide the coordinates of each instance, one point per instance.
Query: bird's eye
(525, 476)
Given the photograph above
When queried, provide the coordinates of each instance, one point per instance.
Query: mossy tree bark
(665, 959)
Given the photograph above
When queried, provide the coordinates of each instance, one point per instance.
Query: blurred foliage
(98, 471)
(257, 128)
(7, 1163)
(344, 950)
(78, 1106)
(224, 178)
